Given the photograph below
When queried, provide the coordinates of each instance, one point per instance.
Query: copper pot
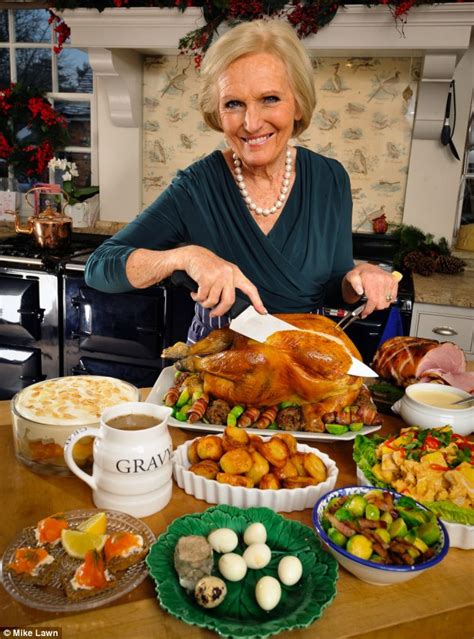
(50, 228)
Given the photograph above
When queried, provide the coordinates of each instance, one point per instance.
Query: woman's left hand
(379, 287)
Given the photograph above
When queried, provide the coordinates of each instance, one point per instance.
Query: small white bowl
(415, 409)
(460, 535)
(281, 500)
(369, 571)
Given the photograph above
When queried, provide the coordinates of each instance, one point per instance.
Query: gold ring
(389, 297)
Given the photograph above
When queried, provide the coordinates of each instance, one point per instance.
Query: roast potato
(206, 468)
(260, 466)
(193, 456)
(298, 461)
(254, 441)
(289, 440)
(269, 482)
(236, 461)
(234, 437)
(234, 480)
(210, 447)
(315, 467)
(299, 482)
(275, 451)
(288, 470)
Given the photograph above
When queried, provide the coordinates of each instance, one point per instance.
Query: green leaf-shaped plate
(239, 614)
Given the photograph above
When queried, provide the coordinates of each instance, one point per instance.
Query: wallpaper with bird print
(363, 118)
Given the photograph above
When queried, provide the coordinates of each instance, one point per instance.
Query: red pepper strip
(431, 442)
(388, 442)
(439, 467)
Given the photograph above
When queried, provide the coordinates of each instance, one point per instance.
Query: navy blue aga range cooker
(52, 324)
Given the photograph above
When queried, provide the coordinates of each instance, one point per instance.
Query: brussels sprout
(343, 514)
(336, 429)
(398, 528)
(183, 398)
(387, 518)
(429, 532)
(337, 537)
(356, 505)
(413, 516)
(383, 535)
(360, 546)
(372, 512)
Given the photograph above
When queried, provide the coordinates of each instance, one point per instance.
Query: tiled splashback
(363, 117)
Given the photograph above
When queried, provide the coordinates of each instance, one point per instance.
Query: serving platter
(239, 616)
(166, 380)
(52, 597)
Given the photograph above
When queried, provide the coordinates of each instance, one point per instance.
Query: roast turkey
(308, 367)
(407, 360)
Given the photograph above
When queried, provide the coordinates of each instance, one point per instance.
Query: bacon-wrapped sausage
(266, 418)
(248, 417)
(197, 410)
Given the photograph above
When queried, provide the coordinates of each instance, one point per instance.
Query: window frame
(12, 45)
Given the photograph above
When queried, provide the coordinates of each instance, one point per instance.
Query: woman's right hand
(217, 280)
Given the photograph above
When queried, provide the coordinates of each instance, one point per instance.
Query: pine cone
(449, 264)
(412, 259)
(426, 266)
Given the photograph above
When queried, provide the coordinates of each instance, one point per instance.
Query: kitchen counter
(439, 603)
(446, 290)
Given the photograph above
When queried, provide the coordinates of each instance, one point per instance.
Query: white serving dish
(40, 430)
(369, 571)
(417, 413)
(166, 380)
(460, 535)
(282, 500)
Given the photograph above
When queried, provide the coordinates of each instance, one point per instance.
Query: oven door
(20, 312)
(19, 367)
(125, 325)
(118, 333)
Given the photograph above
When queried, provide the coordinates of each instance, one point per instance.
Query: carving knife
(247, 321)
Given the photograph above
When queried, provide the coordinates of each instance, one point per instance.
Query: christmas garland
(306, 16)
(30, 131)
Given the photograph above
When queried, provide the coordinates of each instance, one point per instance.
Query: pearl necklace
(253, 208)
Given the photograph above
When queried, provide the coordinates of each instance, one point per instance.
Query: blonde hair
(260, 36)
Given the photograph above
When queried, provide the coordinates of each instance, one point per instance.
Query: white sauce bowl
(415, 410)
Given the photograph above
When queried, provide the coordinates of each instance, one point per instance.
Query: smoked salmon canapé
(33, 565)
(90, 578)
(124, 549)
(48, 531)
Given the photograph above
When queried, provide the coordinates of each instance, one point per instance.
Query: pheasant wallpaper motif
(363, 118)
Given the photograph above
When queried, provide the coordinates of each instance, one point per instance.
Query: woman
(264, 217)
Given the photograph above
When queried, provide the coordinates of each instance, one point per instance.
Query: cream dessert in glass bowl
(46, 413)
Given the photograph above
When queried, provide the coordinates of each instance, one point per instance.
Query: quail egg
(232, 566)
(257, 556)
(268, 592)
(223, 540)
(255, 534)
(290, 570)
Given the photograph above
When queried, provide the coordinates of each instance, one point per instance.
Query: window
(27, 55)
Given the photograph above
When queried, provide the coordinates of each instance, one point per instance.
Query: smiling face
(257, 109)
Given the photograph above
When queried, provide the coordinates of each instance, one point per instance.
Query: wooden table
(437, 604)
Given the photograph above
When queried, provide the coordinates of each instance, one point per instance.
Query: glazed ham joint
(296, 380)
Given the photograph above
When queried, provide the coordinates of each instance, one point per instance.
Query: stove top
(22, 249)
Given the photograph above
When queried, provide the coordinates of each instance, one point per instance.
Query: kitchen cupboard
(446, 324)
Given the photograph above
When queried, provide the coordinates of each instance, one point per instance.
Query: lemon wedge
(97, 524)
(77, 542)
